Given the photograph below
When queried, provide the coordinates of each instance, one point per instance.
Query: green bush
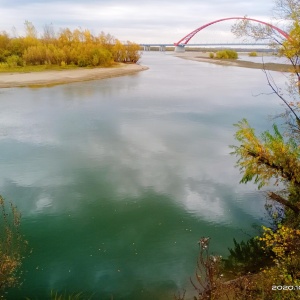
(14, 60)
(227, 54)
(253, 53)
(211, 55)
(247, 257)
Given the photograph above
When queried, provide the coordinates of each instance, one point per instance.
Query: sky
(143, 21)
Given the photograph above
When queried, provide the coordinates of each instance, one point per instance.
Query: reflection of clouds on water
(162, 152)
(206, 204)
(124, 136)
(43, 202)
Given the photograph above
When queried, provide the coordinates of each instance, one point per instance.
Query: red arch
(187, 38)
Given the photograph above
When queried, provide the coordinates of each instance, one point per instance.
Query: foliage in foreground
(272, 158)
(12, 246)
(280, 280)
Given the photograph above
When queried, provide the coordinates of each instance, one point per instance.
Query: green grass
(4, 68)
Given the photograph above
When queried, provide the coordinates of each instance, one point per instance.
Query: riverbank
(54, 77)
(48, 78)
(204, 57)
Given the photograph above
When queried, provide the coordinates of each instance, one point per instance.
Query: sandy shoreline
(203, 57)
(46, 78)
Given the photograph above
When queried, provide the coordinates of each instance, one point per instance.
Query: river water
(118, 179)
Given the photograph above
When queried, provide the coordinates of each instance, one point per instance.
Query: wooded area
(78, 47)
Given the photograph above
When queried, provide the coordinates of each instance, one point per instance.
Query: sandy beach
(46, 78)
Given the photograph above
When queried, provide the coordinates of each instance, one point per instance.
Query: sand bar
(203, 57)
(46, 78)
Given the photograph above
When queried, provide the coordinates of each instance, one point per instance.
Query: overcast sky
(141, 21)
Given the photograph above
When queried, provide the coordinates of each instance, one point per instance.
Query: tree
(76, 47)
(285, 12)
(274, 157)
(30, 30)
(119, 52)
(133, 54)
(49, 33)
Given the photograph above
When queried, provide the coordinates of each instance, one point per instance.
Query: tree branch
(284, 202)
(286, 175)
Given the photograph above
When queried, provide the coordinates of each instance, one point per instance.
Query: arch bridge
(179, 46)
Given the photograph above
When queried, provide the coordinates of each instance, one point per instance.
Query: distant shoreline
(49, 78)
(203, 57)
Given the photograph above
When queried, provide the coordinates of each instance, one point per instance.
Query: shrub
(3, 65)
(211, 55)
(227, 54)
(247, 257)
(14, 60)
(253, 53)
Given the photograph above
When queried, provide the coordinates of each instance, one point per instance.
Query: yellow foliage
(284, 242)
(78, 47)
(267, 157)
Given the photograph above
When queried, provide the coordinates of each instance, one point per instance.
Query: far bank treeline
(77, 47)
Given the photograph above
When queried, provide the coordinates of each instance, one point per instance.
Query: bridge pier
(162, 48)
(146, 48)
(179, 48)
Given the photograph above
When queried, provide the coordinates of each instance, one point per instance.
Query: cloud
(146, 21)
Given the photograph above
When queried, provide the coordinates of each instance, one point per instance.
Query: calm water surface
(118, 179)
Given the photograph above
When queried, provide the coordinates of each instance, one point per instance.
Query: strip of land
(203, 57)
(54, 77)
(48, 78)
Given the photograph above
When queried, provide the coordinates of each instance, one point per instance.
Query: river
(118, 179)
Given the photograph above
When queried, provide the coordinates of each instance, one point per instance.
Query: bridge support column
(179, 48)
(162, 48)
(146, 48)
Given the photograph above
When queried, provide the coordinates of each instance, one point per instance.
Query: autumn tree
(78, 47)
(49, 34)
(274, 157)
(132, 52)
(31, 36)
(119, 52)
